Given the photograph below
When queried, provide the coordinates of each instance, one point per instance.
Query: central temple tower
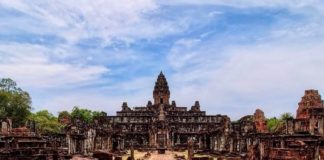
(161, 92)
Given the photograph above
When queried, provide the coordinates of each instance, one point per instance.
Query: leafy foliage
(14, 102)
(286, 116)
(82, 114)
(46, 122)
(85, 115)
(96, 114)
(274, 124)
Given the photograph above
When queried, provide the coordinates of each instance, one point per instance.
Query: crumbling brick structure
(24, 143)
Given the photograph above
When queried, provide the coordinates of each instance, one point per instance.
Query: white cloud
(271, 76)
(182, 54)
(123, 20)
(31, 66)
(248, 3)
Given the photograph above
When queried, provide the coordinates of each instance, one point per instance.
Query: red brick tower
(311, 100)
(260, 121)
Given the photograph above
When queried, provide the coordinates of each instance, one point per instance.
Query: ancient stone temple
(160, 125)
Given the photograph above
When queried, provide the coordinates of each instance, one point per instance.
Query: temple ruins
(161, 125)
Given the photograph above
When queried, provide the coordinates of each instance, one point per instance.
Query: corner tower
(161, 92)
(311, 100)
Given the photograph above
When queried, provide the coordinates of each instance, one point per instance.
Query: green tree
(46, 122)
(273, 124)
(286, 116)
(14, 102)
(82, 114)
(4, 102)
(85, 115)
(8, 84)
(96, 114)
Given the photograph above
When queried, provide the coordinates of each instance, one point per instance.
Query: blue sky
(233, 56)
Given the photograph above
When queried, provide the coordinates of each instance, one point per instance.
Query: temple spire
(161, 93)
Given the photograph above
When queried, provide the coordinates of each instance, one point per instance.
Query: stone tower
(161, 92)
(311, 100)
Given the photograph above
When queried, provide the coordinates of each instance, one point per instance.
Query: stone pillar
(222, 143)
(68, 140)
(200, 143)
(190, 149)
(4, 127)
(317, 156)
(172, 139)
(231, 145)
(82, 146)
(10, 125)
(290, 126)
(205, 141)
(178, 139)
(152, 140)
(123, 144)
(211, 144)
(321, 126)
(216, 144)
(312, 123)
(132, 153)
(243, 146)
(282, 143)
(110, 146)
(261, 148)
(155, 140)
(168, 139)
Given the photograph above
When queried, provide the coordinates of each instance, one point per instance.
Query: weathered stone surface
(161, 92)
(65, 120)
(260, 121)
(311, 100)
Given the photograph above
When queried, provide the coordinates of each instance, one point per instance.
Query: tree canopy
(85, 115)
(286, 116)
(14, 102)
(274, 124)
(46, 122)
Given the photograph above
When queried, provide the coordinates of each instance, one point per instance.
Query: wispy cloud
(108, 21)
(271, 76)
(248, 3)
(32, 66)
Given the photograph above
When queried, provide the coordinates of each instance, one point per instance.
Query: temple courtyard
(169, 155)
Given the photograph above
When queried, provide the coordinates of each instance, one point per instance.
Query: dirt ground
(169, 155)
